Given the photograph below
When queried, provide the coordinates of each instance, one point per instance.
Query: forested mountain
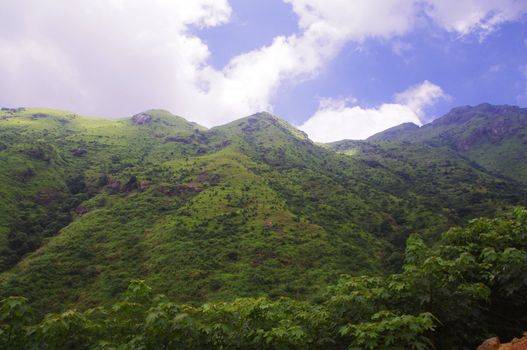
(493, 136)
(251, 208)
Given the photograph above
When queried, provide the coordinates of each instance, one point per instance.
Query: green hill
(245, 209)
(493, 136)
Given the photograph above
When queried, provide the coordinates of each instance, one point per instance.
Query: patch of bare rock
(495, 344)
(141, 118)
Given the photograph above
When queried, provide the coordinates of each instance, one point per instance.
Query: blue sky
(469, 69)
(336, 69)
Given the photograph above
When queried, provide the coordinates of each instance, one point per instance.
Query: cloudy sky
(335, 68)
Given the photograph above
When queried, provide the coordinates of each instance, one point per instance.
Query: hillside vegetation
(253, 209)
(468, 287)
(493, 136)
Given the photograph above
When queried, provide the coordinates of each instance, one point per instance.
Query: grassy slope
(252, 207)
(438, 178)
(493, 136)
(40, 168)
(235, 236)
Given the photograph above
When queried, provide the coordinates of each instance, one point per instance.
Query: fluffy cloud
(340, 20)
(250, 80)
(118, 57)
(481, 16)
(338, 121)
(105, 57)
(420, 96)
(335, 120)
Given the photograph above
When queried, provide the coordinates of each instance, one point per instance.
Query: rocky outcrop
(37, 153)
(496, 131)
(114, 185)
(179, 189)
(131, 184)
(39, 116)
(495, 344)
(189, 188)
(223, 144)
(143, 186)
(13, 110)
(167, 190)
(180, 139)
(81, 210)
(205, 177)
(142, 118)
(197, 137)
(79, 152)
(490, 344)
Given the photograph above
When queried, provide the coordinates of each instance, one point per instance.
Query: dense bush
(470, 286)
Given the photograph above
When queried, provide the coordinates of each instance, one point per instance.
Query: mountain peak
(262, 116)
(395, 132)
(463, 114)
(263, 124)
(161, 116)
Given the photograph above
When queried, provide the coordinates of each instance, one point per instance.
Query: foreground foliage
(469, 286)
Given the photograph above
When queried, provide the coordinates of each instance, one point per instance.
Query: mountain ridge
(492, 136)
(252, 207)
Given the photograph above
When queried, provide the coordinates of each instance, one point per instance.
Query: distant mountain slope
(251, 207)
(493, 136)
(395, 133)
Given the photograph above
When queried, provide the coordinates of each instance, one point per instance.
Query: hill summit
(493, 136)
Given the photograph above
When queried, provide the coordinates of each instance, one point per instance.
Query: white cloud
(99, 57)
(420, 96)
(339, 122)
(357, 20)
(118, 57)
(481, 16)
(250, 80)
(335, 120)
